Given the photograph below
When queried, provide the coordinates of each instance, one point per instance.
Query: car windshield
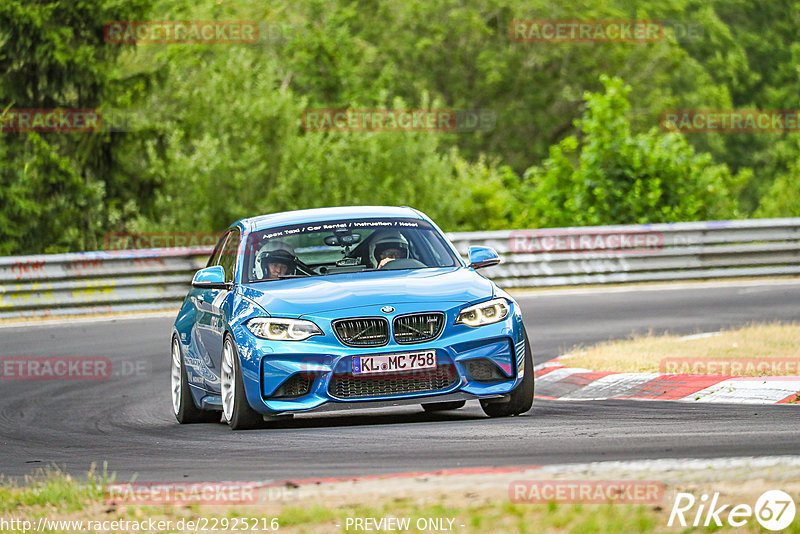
(344, 246)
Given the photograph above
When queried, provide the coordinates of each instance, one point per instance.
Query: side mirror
(210, 278)
(482, 257)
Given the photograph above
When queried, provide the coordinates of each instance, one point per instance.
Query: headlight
(491, 311)
(283, 329)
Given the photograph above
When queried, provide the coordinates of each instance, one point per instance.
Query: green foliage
(461, 53)
(613, 177)
(751, 48)
(58, 189)
(219, 164)
(783, 197)
(54, 489)
(217, 133)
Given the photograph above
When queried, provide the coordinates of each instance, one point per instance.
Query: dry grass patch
(755, 350)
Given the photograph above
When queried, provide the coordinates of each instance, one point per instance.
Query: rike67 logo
(774, 510)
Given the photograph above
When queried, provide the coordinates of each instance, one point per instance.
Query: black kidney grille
(350, 386)
(363, 332)
(418, 327)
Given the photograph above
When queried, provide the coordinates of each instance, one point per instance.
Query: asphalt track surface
(126, 420)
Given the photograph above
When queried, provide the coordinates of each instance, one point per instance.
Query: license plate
(391, 363)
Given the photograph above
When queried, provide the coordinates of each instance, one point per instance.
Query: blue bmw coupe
(342, 308)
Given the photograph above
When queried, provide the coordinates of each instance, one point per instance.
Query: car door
(205, 322)
(219, 304)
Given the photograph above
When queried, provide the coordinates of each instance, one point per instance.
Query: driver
(389, 246)
(277, 259)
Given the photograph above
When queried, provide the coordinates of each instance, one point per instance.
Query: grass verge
(738, 351)
(458, 504)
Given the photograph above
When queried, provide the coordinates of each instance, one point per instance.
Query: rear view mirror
(342, 239)
(351, 239)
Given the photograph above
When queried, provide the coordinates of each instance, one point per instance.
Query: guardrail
(97, 282)
(154, 279)
(641, 253)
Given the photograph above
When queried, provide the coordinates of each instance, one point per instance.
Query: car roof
(327, 214)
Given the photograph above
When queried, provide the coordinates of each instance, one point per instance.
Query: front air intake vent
(362, 332)
(296, 386)
(484, 370)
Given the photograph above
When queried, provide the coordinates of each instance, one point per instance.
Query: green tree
(783, 197)
(61, 188)
(218, 133)
(751, 48)
(223, 159)
(610, 176)
(461, 53)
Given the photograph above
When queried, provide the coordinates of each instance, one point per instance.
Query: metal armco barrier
(641, 253)
(153, 279)
(97, 282)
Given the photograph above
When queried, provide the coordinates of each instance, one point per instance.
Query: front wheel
(521, 398)
(235, 408)
(182, 403)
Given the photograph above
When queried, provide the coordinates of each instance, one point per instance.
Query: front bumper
(268, 367)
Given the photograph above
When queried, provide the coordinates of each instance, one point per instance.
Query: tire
(442, 406)
(183, 406)
(235, 408)
(521, 398)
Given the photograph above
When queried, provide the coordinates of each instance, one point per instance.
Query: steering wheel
(403, 263)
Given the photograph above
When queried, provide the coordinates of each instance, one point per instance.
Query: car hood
(294, 297)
